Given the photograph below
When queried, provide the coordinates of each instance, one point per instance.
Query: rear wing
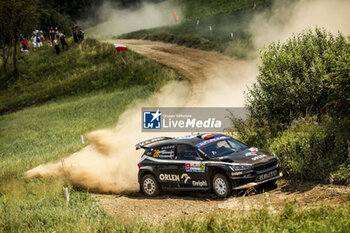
(150, 141)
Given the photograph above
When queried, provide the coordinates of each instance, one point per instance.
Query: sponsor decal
(152, 119)
(169, 177)
(185, 177)
(156, 153)
(250, 154)
(200, 183)
(211, 140)
(236, 173)
(258, 157)
(174, 177)
(253, 149)
(166, 154)
(195, 167)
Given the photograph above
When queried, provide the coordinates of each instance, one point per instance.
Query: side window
(164, 152)
(186, 152)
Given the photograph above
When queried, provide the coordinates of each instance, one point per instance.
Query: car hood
(250, 156)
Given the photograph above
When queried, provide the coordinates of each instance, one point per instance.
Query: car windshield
(223, 147)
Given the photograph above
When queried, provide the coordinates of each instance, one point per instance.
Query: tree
(17, 17)
(308, 74)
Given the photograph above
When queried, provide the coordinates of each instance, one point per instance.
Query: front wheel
(150, 186)
(221, 185)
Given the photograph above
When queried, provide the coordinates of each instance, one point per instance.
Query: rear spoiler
(150, 141)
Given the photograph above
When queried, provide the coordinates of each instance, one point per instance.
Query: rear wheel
(150, 186)
(221, 185)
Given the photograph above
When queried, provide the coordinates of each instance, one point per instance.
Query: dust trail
(110, 163)
(286, 18)
(116, 21)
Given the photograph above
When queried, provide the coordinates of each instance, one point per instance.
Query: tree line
(20, 17)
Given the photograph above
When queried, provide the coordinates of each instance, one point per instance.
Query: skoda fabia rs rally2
(204, 162)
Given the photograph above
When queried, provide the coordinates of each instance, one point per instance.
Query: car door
(167, 168)
(191, 166)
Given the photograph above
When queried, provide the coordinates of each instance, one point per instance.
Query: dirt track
(193, 63)
(171, 206)
(199, 66)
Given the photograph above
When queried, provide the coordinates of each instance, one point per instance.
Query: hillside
(80, 69)
(224, 28)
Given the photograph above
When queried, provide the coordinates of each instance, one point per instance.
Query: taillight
(139, 165)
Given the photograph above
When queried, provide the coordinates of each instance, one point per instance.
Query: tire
(221, 186)
(150, 186)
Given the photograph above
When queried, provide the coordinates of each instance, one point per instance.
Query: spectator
(57, 33)
(42, 37)
(56, 42)
(33, 39)
(24, 45)
(75, 35)
(38, 40)
(52, 34)
(63, 40)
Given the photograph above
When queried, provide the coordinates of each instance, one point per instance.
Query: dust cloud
(116, 21)
(109, 164)
(288, 17)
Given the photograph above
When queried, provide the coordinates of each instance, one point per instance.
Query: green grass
(80, 69)
(40, 134)
(198, 9)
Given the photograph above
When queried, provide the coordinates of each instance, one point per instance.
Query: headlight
(240, 167)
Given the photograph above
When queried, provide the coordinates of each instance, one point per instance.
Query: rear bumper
(253, 184)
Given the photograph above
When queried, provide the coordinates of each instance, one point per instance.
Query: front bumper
(252, 184)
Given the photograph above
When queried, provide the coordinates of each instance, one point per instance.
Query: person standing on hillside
(56, 43)
(38, 40)
(24, 45)
(57, 33)
(42, 37)
(52, 35)
(33, 39)
(63, 40)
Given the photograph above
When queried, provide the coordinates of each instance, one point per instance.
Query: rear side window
(186, 152)
(163, 152)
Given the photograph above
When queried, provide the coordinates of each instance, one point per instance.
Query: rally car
(204, 162)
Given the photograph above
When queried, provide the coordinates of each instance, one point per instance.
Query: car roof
(192, 139)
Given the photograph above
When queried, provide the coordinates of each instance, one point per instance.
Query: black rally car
(204, 162)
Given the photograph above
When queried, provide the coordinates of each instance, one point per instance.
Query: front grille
(265, 166)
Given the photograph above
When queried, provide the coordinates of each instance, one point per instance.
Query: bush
(309, 150)
(306, 75)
